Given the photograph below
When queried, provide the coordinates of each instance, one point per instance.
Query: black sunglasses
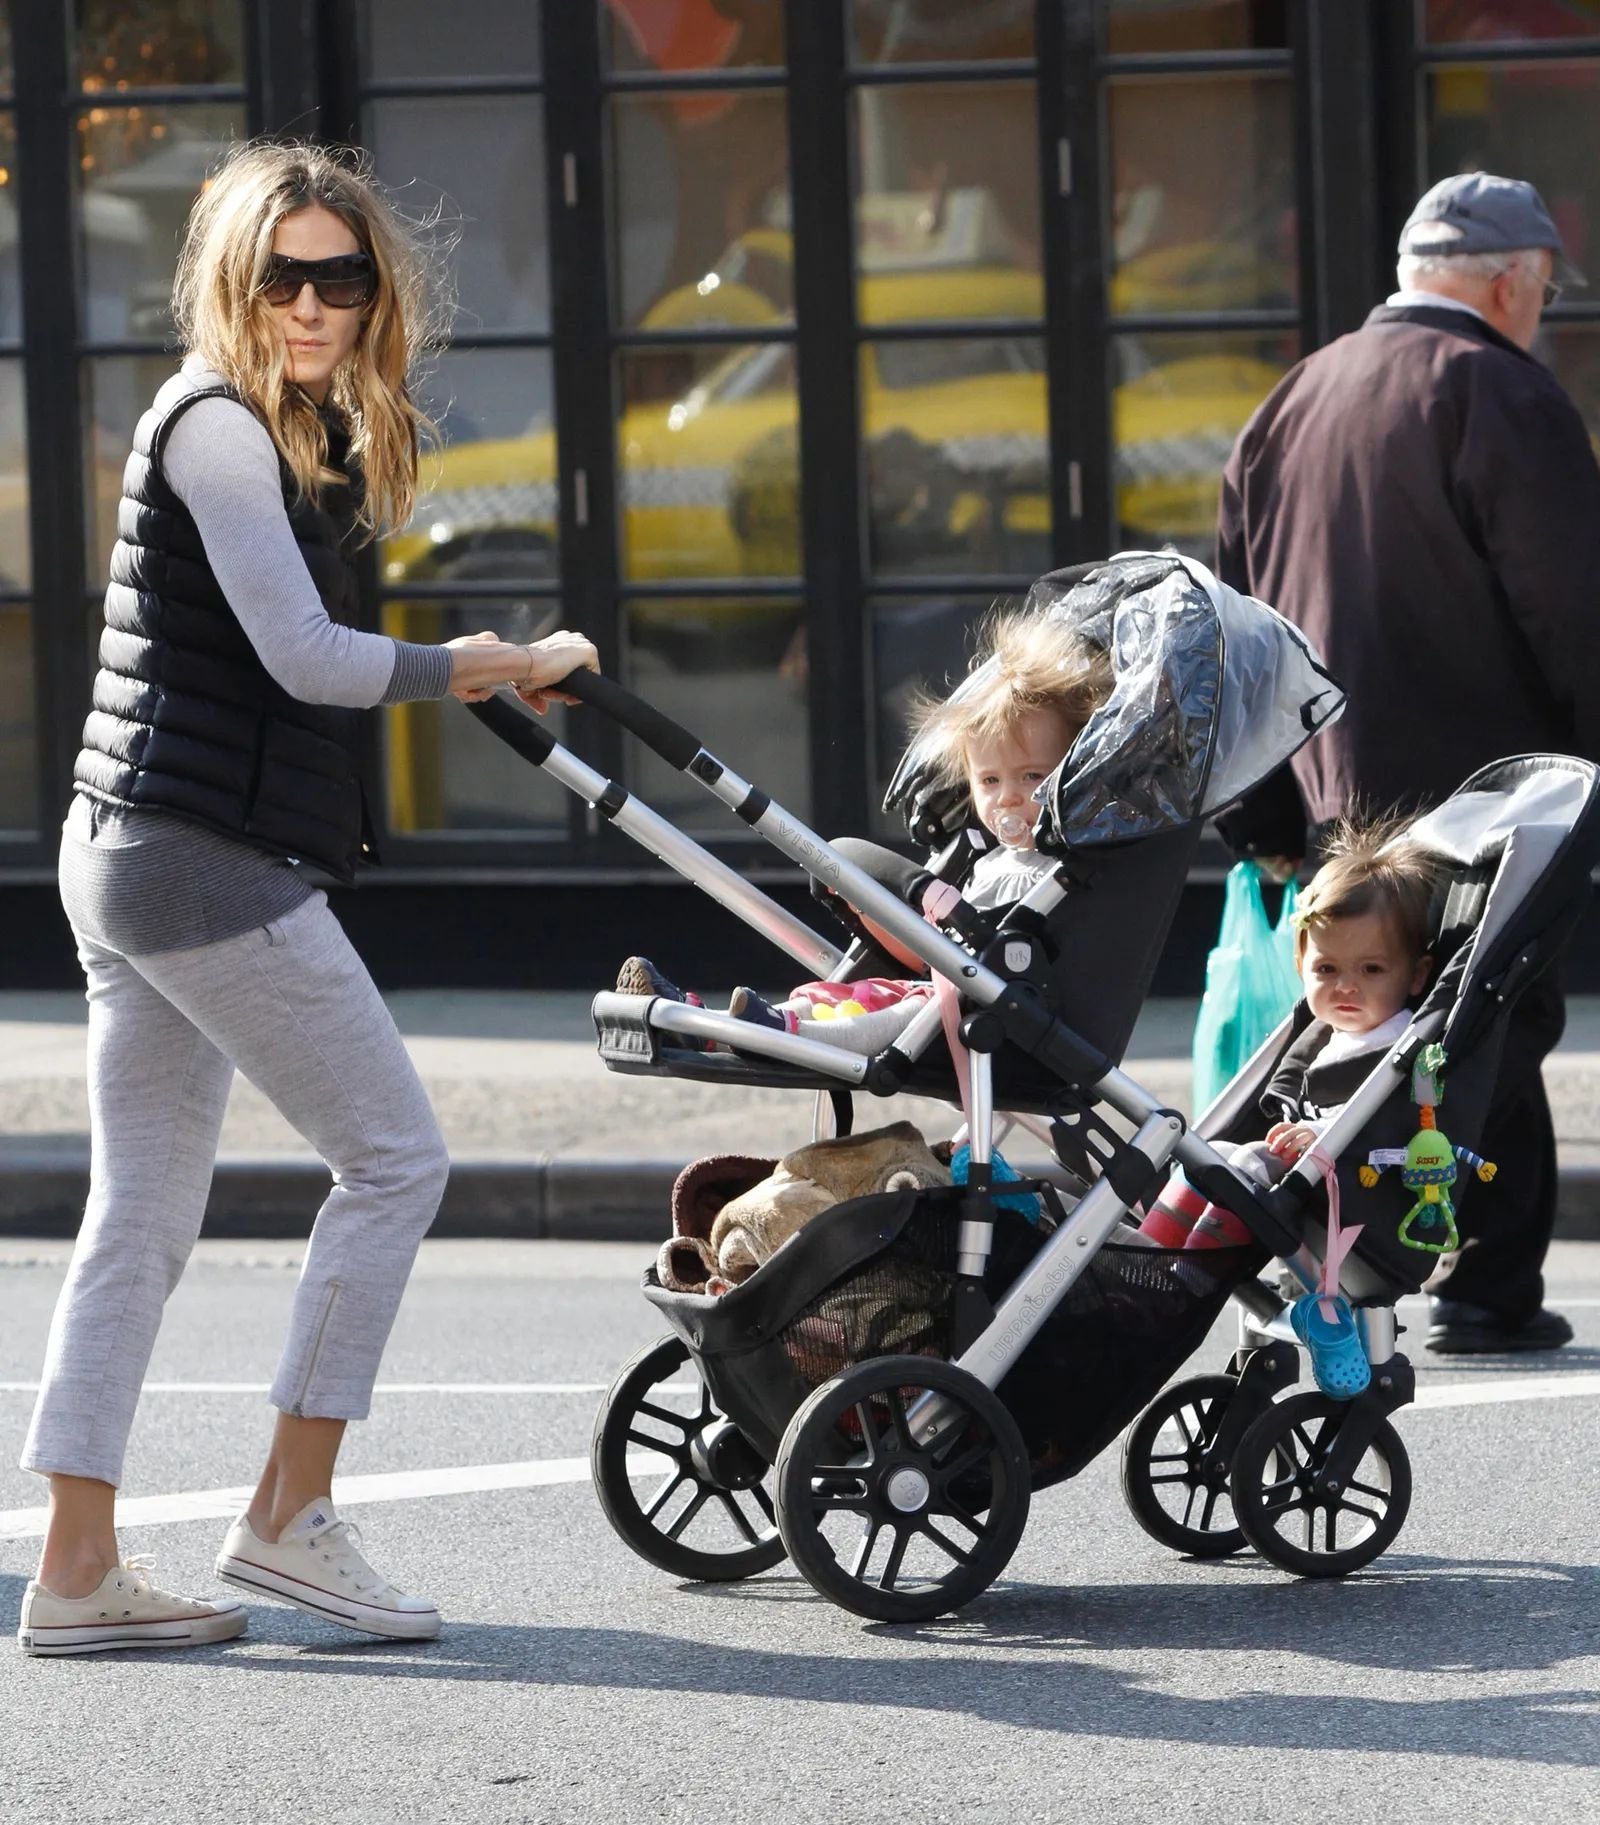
(346, 282)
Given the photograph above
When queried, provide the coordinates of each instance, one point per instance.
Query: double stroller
(894, 1463)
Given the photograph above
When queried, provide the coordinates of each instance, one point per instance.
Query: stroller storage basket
(876, 1277)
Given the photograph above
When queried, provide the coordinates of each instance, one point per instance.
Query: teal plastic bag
(1251, 983)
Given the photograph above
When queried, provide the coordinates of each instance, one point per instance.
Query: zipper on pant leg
(335, 1287)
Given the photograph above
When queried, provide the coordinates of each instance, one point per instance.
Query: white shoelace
(345, 1539)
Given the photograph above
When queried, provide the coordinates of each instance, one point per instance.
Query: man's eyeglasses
(346, 282)
(1552, 291)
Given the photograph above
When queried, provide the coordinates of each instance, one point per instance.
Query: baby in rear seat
(1002, 740)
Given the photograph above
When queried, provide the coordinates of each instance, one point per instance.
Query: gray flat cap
(1476, 213)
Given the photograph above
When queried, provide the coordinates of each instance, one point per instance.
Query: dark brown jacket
(1421, 498)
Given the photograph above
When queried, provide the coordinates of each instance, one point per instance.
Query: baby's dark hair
(1039, 664)
(1368, 867)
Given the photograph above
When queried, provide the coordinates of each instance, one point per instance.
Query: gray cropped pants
(292, 1006)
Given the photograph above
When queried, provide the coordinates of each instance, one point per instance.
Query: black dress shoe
(1458, 1329)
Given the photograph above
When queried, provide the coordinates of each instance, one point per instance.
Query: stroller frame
(1007, 1010)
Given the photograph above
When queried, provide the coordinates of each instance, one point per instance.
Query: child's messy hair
(1370, 866)
(1039, 664)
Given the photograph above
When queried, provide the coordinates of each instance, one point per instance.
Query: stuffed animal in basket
(753, 1224)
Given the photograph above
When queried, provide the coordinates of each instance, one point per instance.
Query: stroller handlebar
(676, 746)
(530, 739)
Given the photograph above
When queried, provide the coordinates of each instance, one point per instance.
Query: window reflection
(694, 34)
(1491, 21)
(1135, 26)
(708, 462)
(411, 38)
(139, 171)
(1572, 352)
(956, 455)
(1539, 121)
(1202, 193)
(158, 47)
(15, 549)
(116, 390)
(916, 643)
(1178, 404)
(734, 673)
(19, 783)
(488, 502)
(936, 31)
(478, 165)
(701, 209)
(948, 191)
(444, 773)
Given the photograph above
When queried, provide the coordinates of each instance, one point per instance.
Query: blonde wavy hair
(1038, 665)
(223, 319)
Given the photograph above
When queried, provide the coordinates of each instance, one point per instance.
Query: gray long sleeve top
(142, 880)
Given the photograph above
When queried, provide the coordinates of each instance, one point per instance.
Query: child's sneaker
(746, 1004)
(1338, 1363)
(639, 976)
(126, 1610)
(316, 1565)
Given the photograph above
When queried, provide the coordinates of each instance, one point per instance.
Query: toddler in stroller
(899, 1485)
(1037, 683)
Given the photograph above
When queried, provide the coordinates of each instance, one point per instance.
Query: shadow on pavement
(1424, 1616)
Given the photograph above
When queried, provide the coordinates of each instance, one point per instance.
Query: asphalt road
(1103, 1678)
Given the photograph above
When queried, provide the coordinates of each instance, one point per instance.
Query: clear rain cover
(1212, 691)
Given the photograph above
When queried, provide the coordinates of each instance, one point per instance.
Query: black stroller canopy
(1212, 691)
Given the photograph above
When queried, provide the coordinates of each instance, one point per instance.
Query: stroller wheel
(1291, 1517)
(1173, 1477)
(702, 1513)
(889, 1525)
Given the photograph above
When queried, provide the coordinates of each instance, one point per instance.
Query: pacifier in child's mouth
(1015, 825)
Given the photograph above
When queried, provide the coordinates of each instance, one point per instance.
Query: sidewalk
(546, 1142)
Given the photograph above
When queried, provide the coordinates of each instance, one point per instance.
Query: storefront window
(1203, 194)
(488, 499)
(444, 773)
(1498, 21)
(708, 462)
(947, 203)
(1144, 26)
(1178, 403)
(940, 31)
(915, 644)
(700, 184)
(1539, 121)
(686, 35)
(19, 780)
(1572, 351)
(956, 456)
(734, 673)
(158, 47)
(475, 167)
(407, 39)
(139, 170)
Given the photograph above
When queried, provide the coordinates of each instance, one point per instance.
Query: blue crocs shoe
(1338, 1362)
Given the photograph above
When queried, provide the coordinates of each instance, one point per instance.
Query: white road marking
(383, 1387)
(390, 1486)
(470, 1479)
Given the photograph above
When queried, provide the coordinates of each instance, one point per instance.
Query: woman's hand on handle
(552, 659)
(481, 663)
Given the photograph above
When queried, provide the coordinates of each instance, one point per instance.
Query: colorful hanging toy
(1428, 1164)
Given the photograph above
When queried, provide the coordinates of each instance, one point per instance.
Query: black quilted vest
(186, 719)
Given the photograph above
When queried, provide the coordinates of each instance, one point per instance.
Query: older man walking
(1422, 499)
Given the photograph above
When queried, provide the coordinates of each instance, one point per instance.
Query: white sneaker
(126, 1611)
(316, 1565)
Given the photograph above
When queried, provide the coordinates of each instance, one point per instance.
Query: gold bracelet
(529, 679)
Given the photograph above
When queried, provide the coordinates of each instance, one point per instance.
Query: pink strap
(1340, 1240)
(937, 901)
